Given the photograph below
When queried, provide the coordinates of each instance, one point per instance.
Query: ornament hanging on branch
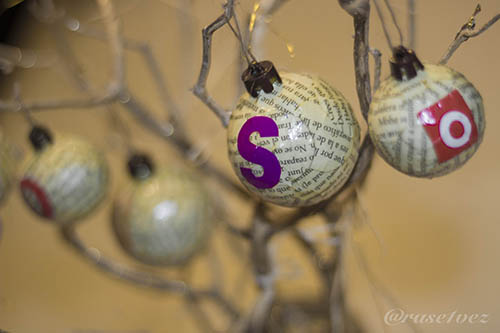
(425, 120)
(293, 139)
(66, 179)
(164, 217)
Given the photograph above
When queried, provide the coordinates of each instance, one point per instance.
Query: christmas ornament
(6, 168)
(293, 139)
(65, 180)
(425, 120)
(164, 217)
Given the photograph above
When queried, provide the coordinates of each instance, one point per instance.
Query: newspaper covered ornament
(295, 144)
(164, 217)
(66, 179)
(425, 120)
(6, 168)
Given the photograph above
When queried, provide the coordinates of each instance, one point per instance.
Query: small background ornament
(163, 218)
(65, 180)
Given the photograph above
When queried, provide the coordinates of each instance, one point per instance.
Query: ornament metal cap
(40, 137)
(140, 166)
(260, 76)
(404, 64)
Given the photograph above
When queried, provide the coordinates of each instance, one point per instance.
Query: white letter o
(444, 129)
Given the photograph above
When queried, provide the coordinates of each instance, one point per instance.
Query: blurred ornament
(164, 217)
(66, 179)
(293, 139)
(6, 168)
(425, 121)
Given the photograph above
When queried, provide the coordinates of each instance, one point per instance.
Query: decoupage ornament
(66, 179)
(6, 168)
(425, 120)
(164, 216)
(292, 139)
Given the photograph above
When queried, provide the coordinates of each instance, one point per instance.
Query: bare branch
(337, 301)
(262, 309)
(140, 278)
(143, 116)
(465, 33)
(264, 272)
(261, 233)
(363, 164)
(119, 270)
(200, 88)
(115, 86)
(360, 11)
(113, 31)
(145, 51)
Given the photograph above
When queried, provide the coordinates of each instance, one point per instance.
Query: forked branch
(200, 89)
(466, 32)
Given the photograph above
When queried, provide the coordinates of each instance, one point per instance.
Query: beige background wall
(440, 238)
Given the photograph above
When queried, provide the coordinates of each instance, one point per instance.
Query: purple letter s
(266, 127)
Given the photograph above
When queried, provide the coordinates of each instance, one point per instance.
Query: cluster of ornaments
(425, 120)
(164, 216)
(293, 139)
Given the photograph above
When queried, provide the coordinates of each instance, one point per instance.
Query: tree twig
(264, 271)
(116, 84)
(165, 131)
(360, 11)
(122, 272)
(200, 89)
(465, 33)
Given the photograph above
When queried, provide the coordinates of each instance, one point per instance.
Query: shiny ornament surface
(66, 180)
(429, 125)
(6, 169)
(164, 219)
(295, 146)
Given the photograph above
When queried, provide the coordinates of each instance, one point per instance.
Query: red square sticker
(450, 126)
